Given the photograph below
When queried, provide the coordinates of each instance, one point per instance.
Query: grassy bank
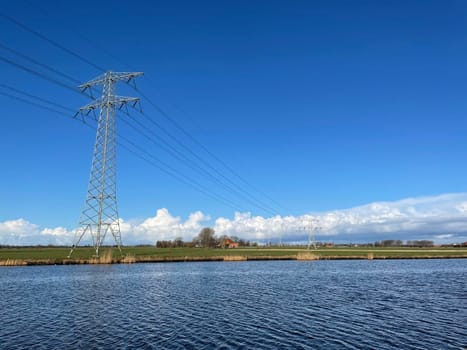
(56, 255)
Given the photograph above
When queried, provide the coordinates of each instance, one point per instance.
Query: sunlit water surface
(394, 304)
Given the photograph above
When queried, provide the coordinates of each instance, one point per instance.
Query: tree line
(206, 238)
(399, 243)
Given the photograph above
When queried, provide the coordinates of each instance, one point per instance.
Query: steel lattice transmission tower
(311, 226)
(100, 213)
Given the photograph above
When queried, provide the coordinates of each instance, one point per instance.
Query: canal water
(378, 304)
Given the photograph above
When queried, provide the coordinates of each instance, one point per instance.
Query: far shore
(31, 256)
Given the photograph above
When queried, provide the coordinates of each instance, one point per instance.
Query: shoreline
(33, 256)
(226, 258)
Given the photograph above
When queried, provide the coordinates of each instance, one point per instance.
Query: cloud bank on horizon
(441, 218)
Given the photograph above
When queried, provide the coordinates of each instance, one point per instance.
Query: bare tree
(206, 237)
(178, 242)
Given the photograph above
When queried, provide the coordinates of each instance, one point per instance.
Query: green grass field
(58, 255)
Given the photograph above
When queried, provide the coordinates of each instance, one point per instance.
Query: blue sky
(323, 105)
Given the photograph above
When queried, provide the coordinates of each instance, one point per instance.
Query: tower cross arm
(113, 101)
(112, 77)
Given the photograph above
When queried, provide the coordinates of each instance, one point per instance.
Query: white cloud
(445, 236)
(57, 231)
(19, 227)
(23, 232)
(441, 218)
(163, 226)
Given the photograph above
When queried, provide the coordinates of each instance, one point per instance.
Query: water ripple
(418, 304)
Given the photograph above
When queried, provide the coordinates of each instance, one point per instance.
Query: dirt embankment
(130, 259)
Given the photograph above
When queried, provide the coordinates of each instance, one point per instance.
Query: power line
(155, 162)
(59, 83)
(22, 55)
(77, 33)
(36, 73)
(35, 97)
(54, 43)
(245, 194)
(50, 41)
(45, 77)
(251, 198)
(43, 65)
(199, 144)
(191, 164)
(30, 102)
(173, 172)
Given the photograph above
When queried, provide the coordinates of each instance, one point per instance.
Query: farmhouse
(228, 243)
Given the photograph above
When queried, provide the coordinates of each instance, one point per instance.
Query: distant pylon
(100, 213)
(311, 227)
